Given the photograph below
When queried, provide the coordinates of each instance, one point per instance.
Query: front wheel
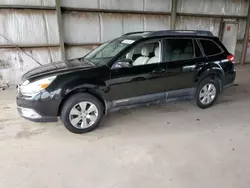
(82, 113)
(207, 93)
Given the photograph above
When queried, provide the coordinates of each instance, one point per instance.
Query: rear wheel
(82, 113)
(207, 93)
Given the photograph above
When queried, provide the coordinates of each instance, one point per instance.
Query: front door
(138, 83)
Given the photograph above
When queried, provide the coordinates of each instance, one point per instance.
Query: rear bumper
(229, 78)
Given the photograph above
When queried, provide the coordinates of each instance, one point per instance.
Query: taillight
(230, 58)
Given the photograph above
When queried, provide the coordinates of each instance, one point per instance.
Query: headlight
(33, 88)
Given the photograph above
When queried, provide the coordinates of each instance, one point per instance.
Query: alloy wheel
(83, 115)
(207, 94)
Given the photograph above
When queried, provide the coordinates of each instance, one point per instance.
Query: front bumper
(40, 108)
(32, 115)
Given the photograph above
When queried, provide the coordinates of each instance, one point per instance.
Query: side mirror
(124, 63)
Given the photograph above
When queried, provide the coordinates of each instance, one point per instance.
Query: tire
(206, 98)
(83, 108)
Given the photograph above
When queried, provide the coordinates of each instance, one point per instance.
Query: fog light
(28, 113)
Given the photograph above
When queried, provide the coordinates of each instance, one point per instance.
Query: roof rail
(137, 32)
(181, 32)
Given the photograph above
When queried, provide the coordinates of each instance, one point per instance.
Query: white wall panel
(241, 32)
(130, 5)
(16, 63)
(156, 22)
(211, 24)
(28, 27)
(80, 3)
(248, 53)
(122, 4)
(221, 7)
(158, 5)
(133, 22)
(83, 27)
(111, 26)
(237, 54)
(28, 2)
(80, 27)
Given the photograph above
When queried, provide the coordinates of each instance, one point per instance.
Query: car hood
(56, 68)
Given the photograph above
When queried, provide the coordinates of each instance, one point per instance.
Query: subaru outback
(135, 69)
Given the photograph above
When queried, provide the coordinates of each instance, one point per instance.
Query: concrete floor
(175, 145)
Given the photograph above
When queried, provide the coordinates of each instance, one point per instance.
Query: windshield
(108, 50)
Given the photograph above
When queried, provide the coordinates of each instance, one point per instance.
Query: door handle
(159, 71)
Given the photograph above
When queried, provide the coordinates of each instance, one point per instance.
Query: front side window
(210, 48)
(144, 54)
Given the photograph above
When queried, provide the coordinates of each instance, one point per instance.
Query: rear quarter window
(210, 47)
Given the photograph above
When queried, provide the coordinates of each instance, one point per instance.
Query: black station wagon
(135, 69)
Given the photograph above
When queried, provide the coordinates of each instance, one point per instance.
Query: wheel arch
(90, 91)
(213, 73)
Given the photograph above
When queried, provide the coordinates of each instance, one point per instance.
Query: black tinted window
(179, 49)
(210, 48)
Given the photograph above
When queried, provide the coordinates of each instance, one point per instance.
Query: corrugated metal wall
(88, 23)
(105, 26)
(50, 3)
(132, 5)
(28, 27)
(214, 7)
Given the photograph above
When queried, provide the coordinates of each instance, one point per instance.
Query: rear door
(181, 59)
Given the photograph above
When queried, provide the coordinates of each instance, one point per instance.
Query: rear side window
(179, 49)
(210, 48)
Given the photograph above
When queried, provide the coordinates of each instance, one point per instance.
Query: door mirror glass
(124, 63)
